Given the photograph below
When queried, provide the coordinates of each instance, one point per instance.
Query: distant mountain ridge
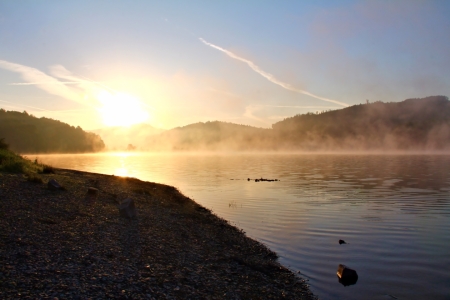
(27, 134)
(413, 124)
(410, 125)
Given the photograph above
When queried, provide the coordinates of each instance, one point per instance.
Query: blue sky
(102, 63)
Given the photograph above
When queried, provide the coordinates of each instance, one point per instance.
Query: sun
(120, 109)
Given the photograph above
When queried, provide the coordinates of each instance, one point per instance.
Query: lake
(392, 210)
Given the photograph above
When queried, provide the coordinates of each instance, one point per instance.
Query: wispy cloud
(249, 110)
(85, 83)
(46, 82)
(60, 82)
(269, 76)
(252, 108)
(249, 113)
(12, 104)
(41, 83)
(38, 109)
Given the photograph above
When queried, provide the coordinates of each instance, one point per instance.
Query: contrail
(269, 76)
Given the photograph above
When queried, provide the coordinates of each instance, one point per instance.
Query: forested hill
(212, 136)
(27, 134)
(410, 125)
(413, 124)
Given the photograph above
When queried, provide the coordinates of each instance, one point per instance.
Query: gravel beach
(62, 244)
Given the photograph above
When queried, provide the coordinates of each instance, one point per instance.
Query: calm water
(393, 211)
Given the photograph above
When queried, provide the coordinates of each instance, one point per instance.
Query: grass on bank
(11, 162)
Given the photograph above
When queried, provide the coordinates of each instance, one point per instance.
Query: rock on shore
(54, 245)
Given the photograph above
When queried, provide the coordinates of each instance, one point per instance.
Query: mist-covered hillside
(413, 124)
(212, 136)
(120, 138)
(27, 134)
(410, 125)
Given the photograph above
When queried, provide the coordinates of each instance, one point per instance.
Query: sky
(95, 64)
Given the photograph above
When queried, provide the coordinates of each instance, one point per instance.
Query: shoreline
(57, 244)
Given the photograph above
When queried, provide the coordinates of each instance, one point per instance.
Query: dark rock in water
(54, 185)
(346, 275)
(342, 242)
(127, 209)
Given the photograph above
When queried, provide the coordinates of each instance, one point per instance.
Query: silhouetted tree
(28, 134)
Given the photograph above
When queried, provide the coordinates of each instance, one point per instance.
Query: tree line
(25, 133)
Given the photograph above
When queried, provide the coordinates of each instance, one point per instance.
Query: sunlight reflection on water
(393, 210)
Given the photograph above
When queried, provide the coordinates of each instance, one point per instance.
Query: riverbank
(54, 243)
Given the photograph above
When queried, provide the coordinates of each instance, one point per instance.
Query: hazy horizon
(413, 125)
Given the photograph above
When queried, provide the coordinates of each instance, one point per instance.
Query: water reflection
(122, 160)
(123, 172)
(392, 210)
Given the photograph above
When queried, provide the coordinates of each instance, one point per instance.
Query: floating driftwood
(262, 179)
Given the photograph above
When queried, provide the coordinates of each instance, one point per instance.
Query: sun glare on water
(121, 109)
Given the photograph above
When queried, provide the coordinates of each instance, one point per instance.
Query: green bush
(14, 163)
(46, 169)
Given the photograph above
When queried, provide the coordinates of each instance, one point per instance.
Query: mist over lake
(393, 211)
